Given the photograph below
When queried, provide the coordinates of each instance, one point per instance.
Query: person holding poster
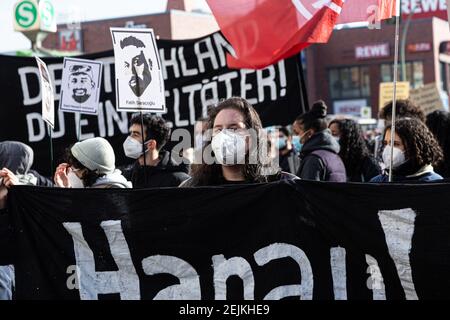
(159, 169)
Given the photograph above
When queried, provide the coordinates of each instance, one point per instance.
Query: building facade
(178, 22)
(347, 71)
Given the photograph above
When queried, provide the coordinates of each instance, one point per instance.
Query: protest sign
(48, 100)
(80, 87)
(139, 81)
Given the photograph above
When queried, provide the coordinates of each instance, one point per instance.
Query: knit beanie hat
(96, 154)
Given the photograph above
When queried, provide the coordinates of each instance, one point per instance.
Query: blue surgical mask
(297, 143)
(281, 143)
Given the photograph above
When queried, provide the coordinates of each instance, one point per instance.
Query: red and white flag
(263, 32)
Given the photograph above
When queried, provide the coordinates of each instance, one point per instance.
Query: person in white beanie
(90, 164)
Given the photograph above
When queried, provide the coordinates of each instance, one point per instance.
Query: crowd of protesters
(243, 152)
(311, 148)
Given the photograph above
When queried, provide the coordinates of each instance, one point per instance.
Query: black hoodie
(165, 174)
(320, 160)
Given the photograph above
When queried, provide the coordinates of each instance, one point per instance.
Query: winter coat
(426, 173)
(165, 174)
(281, 175)
(112, 180)
(369, 169)
(18, 158)
(320, 160)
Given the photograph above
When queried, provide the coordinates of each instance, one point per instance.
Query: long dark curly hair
(403, 109)
(211, 174)
(421, 148)
(354, 149)
(439, 124)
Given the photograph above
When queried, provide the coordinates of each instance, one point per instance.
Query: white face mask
(132, 148)
(229, 147)
(398, 157)
(74, 181)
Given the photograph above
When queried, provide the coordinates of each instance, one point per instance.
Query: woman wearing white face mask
(90, 164)
(415, 152)
(234, 140)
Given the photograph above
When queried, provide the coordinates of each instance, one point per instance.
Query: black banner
(195, 76)
(285, 240)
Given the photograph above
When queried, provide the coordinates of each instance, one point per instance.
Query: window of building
(349, 83)
(414, 73)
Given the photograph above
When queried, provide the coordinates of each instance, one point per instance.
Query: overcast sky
(85, 9)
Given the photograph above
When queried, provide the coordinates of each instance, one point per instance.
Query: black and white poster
(80, 86)
(139, 81)
(284, 240)
(48, 105)
(195, 76)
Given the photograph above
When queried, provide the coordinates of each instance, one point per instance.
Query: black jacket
(368, 169)
(320, 160)
(165, 174)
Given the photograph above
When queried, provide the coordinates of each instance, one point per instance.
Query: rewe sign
(424, 8)
(380, 50)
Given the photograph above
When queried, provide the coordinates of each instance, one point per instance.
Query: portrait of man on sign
(136, 65)
(81, 83)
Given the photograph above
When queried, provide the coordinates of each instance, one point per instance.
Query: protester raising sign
(195, 76)
(306, 240)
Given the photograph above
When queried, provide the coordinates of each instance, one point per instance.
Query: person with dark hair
(160, 169)
(359, 164)
(414, 154)
(139, 67)
(318, 149)
(238, 148)
(403, 109)
(438, 122)
(90, 164)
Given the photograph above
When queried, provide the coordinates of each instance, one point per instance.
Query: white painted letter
(283, 250)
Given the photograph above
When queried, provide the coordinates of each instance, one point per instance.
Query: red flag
(265, 31)
(367, 10)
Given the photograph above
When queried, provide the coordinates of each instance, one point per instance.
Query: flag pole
(394, 99)
(143, 148)
(51, 148)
